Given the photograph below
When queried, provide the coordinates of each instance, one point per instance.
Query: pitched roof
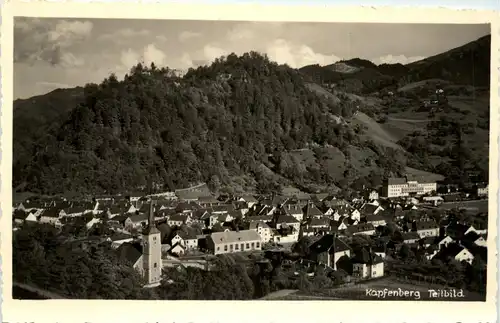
(223, 208)
(20, 214)
(249, 198)
(285, 218)
(208, 199)
(235, 236)
(366, 257)
(368, 208)
(178, 217)
(129, 252)
(362, 227)
(120, 236)
(257, 224)
(52, 212)
(426, 225)
(138, 218)
(410, 236)
(311, 210)
(326, 243)
(322, 222)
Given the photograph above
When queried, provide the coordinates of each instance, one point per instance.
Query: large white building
(234, 241)
(406, 186)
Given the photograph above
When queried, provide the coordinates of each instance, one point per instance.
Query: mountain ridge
(234, 124)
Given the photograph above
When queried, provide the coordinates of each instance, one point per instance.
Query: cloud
(161, 38)
(402, 59)
(49, 40)
(53, 85)
(211, 52)
(187, 35)
(154, 55)
(149, 54)
(123, 35)
(294, 55)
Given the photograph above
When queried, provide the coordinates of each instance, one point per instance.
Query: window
(231, 247)
(236, 246)
(242, 247)
(155, 265)
(218, 248)
(225, 248)
(253, 245)
(258, 245)
(248, 246)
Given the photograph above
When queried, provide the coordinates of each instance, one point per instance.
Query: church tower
(151, 251)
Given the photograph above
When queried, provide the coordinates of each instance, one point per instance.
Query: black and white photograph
(250, 160)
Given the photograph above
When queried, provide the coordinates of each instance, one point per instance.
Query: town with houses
(356, 239)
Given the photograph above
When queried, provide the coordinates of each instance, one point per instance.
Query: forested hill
(229, 123)
(465, 65)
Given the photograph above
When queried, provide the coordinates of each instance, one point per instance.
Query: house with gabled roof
(410, 237)
(187, 207)
(249, 199)
(286, 220)
(320, 223)
(366, 264)
(426, 228)
(234, 241)
(187, 238)
(311, 211)
(264, 231)
(328, 250)
(361, 228)
(131, 253)
(256, 218)
(136, 220)
(457, 252)
(118, 239)
(178, 219)
(52, 216)
(293, 210)
(379, 219)
(208, 201)
(370, 209)
(338, 226)
(21, 216)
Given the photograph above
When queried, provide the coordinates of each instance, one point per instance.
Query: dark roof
(451, 250)
(375, 217)
(20, 214)
(425, 225)
(187, 234)
(368, 209)
(178, 217)
(326, 243)
(285, 218)
(129, 252)
(138, 217)
(362, 227)
(223, 208)
(120, 236)
(364, 256)
(410, 236)
(52, 212)
(324, 222)
(311, 210)
(208, 199)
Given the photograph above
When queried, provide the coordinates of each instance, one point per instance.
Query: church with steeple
(151, 251)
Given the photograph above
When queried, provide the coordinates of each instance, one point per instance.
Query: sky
(54, 53)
